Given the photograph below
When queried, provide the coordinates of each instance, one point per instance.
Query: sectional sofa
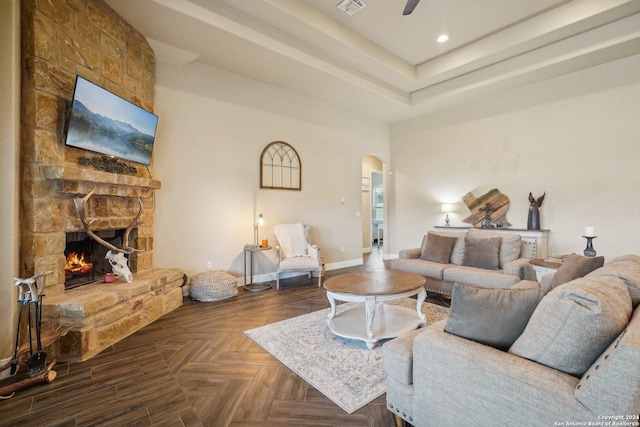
(567, 354)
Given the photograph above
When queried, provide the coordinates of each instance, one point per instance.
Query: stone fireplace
(60, 40)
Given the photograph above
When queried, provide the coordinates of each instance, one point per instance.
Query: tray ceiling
(383, 64)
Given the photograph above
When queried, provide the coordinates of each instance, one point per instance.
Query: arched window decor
(280, 167)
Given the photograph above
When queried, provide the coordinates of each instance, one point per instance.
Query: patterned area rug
(344, 370)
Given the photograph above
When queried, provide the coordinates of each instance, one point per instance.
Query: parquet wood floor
(195, 367)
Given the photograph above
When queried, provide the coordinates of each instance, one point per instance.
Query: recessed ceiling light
(442, 38)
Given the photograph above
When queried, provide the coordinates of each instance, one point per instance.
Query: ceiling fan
(411, 4)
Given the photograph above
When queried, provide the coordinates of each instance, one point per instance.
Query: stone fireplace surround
(101, 314)
(60, 40)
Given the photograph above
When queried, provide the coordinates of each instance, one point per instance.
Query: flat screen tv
(105, 123)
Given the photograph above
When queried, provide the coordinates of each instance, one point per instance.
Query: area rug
(342, 369)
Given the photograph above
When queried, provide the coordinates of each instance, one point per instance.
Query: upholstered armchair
(295, 253)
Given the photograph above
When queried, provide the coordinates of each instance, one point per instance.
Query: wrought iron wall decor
(280, 167)
(108, 164)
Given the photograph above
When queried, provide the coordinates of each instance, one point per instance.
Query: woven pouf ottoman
(210, 286)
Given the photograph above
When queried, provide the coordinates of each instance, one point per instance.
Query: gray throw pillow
(491, 316)
(509, 247)
(574, 323)
(457, 254)
(437, 248)
(482, 253)
(575, 266)
(626, 267)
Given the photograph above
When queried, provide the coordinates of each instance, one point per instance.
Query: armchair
(295, 252)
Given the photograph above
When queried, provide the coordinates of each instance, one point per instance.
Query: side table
(542, 267)
(253, 287)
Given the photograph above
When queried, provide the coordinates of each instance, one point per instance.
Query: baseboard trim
(344, 264)
(269, 277)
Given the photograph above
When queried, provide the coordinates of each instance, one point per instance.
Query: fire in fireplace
(76, 264)
(86, 261)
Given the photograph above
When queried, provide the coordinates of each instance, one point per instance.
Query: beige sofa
(577, 360)
(512, 266)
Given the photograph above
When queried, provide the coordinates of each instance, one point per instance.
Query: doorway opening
(373, 204)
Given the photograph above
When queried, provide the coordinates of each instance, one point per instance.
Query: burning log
(77, 264)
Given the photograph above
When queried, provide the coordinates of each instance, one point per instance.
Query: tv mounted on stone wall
(105, 123)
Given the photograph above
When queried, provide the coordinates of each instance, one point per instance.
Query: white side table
(248, 253)
(542, 267)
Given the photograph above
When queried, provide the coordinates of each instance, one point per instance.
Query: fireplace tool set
(30, 296)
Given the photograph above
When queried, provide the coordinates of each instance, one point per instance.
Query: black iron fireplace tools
(31, 295)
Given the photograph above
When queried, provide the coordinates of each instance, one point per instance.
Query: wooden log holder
(13, 384)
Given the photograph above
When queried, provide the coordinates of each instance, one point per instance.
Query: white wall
(577, 138)
(212, 129)
(9, 165)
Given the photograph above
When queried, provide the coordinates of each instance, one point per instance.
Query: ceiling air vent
(351, 7)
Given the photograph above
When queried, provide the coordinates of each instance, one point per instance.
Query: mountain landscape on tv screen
(95, 132)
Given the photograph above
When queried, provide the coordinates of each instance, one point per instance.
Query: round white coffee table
(374, 321)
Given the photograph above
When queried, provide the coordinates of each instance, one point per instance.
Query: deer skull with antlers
(115, 255)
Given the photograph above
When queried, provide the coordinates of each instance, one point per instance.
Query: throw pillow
(626, 267)
(457, 254)
(574, 267)
(437, 248)
(509, 247)
(574, 323)
(482, 253)
(491, 316)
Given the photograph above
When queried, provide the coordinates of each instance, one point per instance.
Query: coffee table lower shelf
(389, 321)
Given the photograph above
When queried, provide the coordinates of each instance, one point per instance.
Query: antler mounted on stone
(81, 207)
(117, 260)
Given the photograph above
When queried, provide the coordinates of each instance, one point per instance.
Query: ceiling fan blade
(411, 4)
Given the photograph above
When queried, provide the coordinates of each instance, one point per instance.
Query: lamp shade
(446, 208)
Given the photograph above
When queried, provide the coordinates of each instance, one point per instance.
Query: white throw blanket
(291, 239)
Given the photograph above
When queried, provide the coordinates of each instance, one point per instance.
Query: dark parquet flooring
(195, 367)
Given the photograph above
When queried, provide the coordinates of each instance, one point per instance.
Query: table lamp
(259, 223)
(446, 209)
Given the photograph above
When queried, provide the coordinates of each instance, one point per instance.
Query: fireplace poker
(21, 301)
(37, 363)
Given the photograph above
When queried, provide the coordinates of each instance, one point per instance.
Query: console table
(539, 237)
